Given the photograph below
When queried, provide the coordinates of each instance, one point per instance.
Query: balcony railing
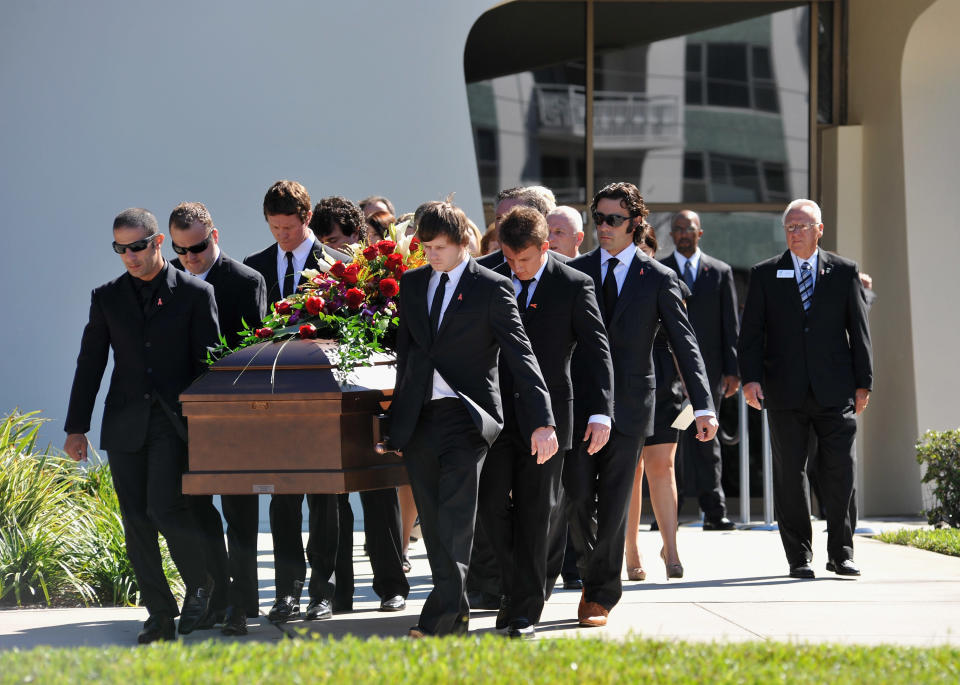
(621, 119)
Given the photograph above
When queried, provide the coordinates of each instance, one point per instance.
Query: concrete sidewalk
(735, 588)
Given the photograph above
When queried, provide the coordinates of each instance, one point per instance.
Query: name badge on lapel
(784, 273)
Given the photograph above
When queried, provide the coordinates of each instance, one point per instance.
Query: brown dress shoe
(591, 614)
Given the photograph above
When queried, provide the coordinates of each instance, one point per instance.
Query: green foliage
(941, 540)
(489, 659)
(61, 535)
(939, 452)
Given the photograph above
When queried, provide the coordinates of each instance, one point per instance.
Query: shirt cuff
(600, 418)
(704, 412)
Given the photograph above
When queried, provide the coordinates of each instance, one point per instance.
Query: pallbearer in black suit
(805, 354)
(241, 296)
(712, 309)
(159, 324)
(636, 295)
(286, 207)
(539, 198)
(456, 319)
(517, 495)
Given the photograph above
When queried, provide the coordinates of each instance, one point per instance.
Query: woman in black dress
(657, 455)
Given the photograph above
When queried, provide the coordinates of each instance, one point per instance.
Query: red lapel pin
(159, 301)
(641, 272)
(532, 305)
(460, 297)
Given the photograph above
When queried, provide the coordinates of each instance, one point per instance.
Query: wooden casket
(280, 418)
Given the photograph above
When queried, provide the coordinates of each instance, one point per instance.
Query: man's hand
(730, 385)
(862, 400)
(706, 428)
(753, 394)
(597, 434)
(543, 443)
(76, 446)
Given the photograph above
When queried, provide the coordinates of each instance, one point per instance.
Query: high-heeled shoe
(674, 570)
(635, 570)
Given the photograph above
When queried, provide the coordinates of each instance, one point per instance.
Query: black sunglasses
(137, 246)
(195, 249)
(613, 220)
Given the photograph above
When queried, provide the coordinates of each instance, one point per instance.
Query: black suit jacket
(240, 292)
(157, 354)
(265, 263)
(562, 316)
(650, 296)
(481, 323)
(712, 310)
(826, 350)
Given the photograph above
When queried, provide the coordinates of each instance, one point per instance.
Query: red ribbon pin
(460, 297)
(159, 301)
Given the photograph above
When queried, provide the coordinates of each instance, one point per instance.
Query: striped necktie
(806, 285)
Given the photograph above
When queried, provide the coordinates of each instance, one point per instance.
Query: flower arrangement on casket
(354, 304)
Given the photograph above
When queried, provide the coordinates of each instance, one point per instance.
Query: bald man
(712, 309)
(566, 231)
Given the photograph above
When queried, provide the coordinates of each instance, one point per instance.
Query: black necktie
(610, 289)
(288, 277)
(438, 303)
(524, 293)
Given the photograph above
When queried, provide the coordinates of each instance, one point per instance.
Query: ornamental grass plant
(61, 536)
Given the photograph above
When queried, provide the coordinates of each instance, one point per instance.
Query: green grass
(941, 540)
(488, 660)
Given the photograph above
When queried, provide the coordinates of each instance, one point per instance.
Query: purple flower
(294, 317)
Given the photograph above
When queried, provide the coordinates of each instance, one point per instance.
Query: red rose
(337, 269)
(386, 247)
(264, 333)
(282, 307)
(351, 273)
(414, 244)
(314, 304)
(400, 270)
(370, 253)
(394, 260)
(355, 298)
(389, 287)
(308, 330)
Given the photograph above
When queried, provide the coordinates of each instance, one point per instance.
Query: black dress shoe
(843, 568)
(213, 617)
(503, 614)
(722, 523)
(521, 629)
(284, 609)
(802, 571)
(654, 526)
(483, 601)
(234, 621)
(319, 609)
(395, 603)
(575, 584)
(196, 605)
(157, 627)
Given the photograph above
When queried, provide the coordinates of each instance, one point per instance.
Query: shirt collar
(623, 256)
(537, 275)
(797, 262)
(455, 273)
(694, 260)
(300, 252)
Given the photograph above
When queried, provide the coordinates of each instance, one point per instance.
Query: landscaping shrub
(939, 452)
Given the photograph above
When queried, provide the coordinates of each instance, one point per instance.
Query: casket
(280, 418)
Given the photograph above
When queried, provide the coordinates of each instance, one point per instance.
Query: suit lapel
(165, 293)
(789, 287)
(702, 270)
(418, 317)
(635, 273)
(129, 295)
(466, 282)
(824, 271)
(213, 276)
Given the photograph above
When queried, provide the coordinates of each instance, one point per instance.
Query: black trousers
(218, 566)
(518, 527)
(813, 462)
(789, 430)
(383, 530)
(599, 485)
(444, 458)
(329, 547)
(148, 486)
(707, 466)
(484, 573)
(242, 513)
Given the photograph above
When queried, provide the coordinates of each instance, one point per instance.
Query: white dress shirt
(441, 388)
(594, 418)
(694, 262)
(300, 253)
(624, 258)
(797, 262)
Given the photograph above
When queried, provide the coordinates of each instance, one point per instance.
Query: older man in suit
(241, 296)
(159, 324)
(456, 320)
(539, 198)
(712, 308)
(517, 495)
(805, 356)
(637, 294)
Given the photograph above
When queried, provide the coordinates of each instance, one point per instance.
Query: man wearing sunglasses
(159, 324)
(241, 297)
(636, 295)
